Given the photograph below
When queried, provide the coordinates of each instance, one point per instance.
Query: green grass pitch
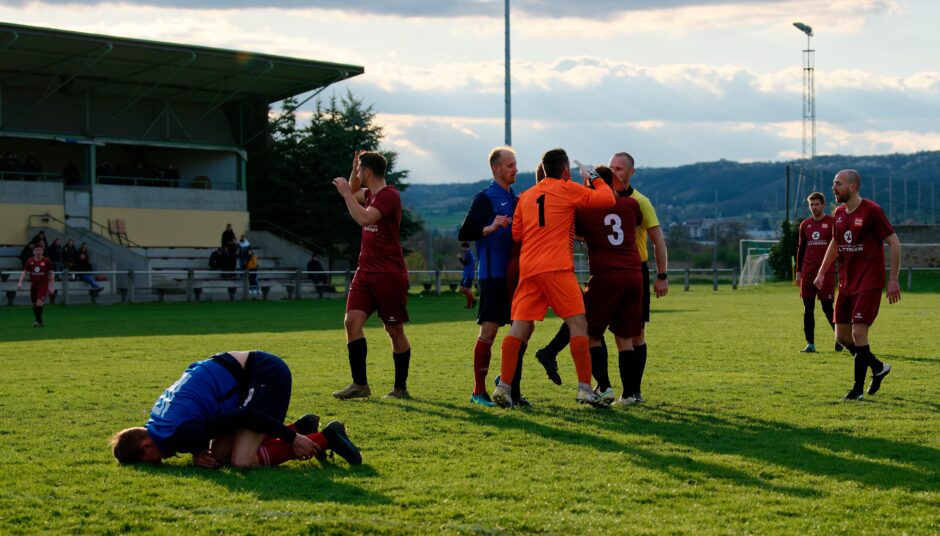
(741, 432)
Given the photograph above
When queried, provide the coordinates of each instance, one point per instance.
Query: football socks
(482, 353)
(625, 360)
(599, 367)
(402, 361)
(582, 358)
(510, 358)
(517, 377)
(809, 321)
(827, 310)
(639, 367)
(357, 360)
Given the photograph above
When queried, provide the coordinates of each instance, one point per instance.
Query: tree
(290, 178)
(783, 252)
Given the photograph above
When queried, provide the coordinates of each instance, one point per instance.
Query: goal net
(755, 269)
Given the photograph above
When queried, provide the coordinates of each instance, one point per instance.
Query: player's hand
(501, 220)
(585, 176)
(342, 186)
(796, 281)
(354, 174)
(206, 459)
(661, 287)
(19, 286)
(894, 291)
(304, 447)
(820, 279)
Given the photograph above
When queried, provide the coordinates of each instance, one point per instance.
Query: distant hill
(754, 192)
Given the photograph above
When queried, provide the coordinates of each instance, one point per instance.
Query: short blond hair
(818, 196)
(496, 155)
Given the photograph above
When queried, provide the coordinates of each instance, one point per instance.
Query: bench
(9, 291)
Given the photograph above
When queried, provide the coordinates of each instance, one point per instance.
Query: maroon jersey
(813, 241)
(610, 235)
(381, 242)
(860, 236)
(39, 271)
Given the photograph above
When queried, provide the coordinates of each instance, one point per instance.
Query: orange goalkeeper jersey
(543, 222)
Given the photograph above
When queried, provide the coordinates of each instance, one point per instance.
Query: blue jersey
(204, 390)
(468, 263)
(495, 250)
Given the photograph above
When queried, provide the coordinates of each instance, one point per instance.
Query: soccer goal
(754, 255)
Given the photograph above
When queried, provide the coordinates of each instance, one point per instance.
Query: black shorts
(466, 282)
(495, 301)
(267, 385)
(645, 270)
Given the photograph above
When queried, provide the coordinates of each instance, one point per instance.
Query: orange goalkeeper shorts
(558, 290)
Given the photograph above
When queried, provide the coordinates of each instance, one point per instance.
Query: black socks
(357, 360)
(599, 367)
(402, 360)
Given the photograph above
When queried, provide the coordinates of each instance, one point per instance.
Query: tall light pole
(508, 97)
(808, 163)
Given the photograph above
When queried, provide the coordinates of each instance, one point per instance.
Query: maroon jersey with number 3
(610, 235)
(813, 241)
(381, 242)
(860, 236)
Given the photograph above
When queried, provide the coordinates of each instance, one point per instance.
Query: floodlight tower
(508, 97)
(808, 163)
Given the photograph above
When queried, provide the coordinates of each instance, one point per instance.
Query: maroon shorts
(809, 290)
(861, 308)
(385, 292)
(615, 300)
(38, 292)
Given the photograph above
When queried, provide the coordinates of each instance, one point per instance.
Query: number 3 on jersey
(613, 221)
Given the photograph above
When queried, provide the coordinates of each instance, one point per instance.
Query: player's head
(817, 203)
(134, 445)
(503, 165)
(556, 164)
(372, 165)
(37, 251)
(846, 184)
(607, 175)
(465, 245)
(621, 164)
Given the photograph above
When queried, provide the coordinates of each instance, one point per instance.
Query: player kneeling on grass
(229, 410)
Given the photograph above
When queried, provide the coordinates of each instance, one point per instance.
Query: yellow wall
(14, 220)
(173, 228)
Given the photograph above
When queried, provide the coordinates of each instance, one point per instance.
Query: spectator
(172, 176)
(69, 254)
(251, 264)
(228, 235)
(104, 172)
(231, 256)
(40, 239)
(54, 252)
(83, 265)
(70, 173)
(32, 167)
(217, 259)
(83, 249)
(12, 164)
(26, 253)
(319, 279)
(243, 247)
(4, 168)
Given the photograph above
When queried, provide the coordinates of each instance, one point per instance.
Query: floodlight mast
(508, 97)
(808, 161)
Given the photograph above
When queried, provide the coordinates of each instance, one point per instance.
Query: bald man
(860, 232)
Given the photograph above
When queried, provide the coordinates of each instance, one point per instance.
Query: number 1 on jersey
(541, 202)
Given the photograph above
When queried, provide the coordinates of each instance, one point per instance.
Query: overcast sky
(671, 81)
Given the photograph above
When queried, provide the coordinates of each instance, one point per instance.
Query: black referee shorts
(645, 269)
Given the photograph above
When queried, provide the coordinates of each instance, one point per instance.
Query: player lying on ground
(229, 410)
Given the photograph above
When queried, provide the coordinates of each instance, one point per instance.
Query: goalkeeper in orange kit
(542, 223)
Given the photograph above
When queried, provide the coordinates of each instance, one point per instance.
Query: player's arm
(800, 252)
(660, 286)
(894, 263)
(832, 251)
(517, 223)
(19, 284)
(363, 215)
(475, 226)
(355, 183)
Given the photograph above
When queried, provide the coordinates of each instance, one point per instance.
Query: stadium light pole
(508, 96)
(808, 164)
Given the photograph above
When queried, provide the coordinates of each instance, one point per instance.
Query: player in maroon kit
(814, 237)
(861, 230)
(615, 290)
(381, 280)
(41, 280)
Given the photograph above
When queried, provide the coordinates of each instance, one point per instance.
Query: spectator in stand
(12, 165)
(26, 253)
(40, 239)
(4, 168)
(54, 252)
(83, 249)
(104, 172)
(319, 279)
(32, 167)
(70, 173)
(244, 246)
(231, 253)
(217, 259)
(251, 264)
(172, 176)
(228, 235)
(83, 265)
(69, 254)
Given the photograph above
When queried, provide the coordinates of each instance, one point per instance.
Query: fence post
(734, 279)
(437, 282)
(189, 285)
(65, 286)
(130, 286)
(910, 277)
(298, 279)
(714, 278)
(687, 276)
(348, 282)
(244, 285)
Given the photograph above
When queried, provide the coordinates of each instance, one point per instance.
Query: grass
(741, 433)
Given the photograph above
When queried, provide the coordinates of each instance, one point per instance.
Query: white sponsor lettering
(163, 404)
(371, 228)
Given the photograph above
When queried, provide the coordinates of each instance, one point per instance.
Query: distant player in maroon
(614, 297)
(41, 281)
(860, 232)
(381, 280)
(814, 237)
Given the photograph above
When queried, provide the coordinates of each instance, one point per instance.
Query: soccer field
(741, 433)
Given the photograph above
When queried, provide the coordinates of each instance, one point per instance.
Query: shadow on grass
(296, 481)
(776, 446)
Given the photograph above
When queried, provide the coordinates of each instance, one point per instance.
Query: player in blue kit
(229, 410)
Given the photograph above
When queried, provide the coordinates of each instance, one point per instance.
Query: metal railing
(195, 183)
(30, 176)
(93, 227)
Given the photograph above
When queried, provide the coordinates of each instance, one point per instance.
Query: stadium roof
(57, 60)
